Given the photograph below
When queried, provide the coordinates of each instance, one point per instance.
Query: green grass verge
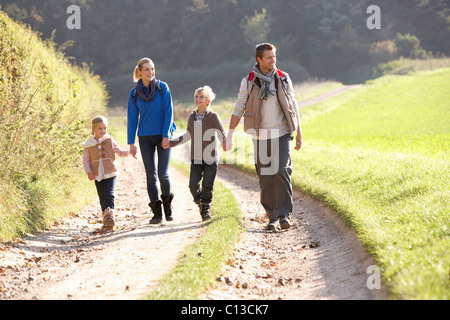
(200, 263)
(398, 206)
(35, 204)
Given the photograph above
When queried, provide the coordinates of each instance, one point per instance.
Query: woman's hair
(138, 68)
(99, 119)
(260, 48)
(208, 91)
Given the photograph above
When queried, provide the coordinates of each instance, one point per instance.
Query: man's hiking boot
(167, 204)
(272, 226)
(157, 212)
(285, 223)
(108, 219)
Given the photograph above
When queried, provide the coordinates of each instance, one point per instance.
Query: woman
(150, 112)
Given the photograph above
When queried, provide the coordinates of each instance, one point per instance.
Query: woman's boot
(167, 204)
(157, 212)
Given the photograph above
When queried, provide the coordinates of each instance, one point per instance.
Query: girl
(150, 112)
(202, 126)
(99, 165)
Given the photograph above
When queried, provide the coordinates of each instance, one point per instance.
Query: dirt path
(320, 257)
(328, 95)
(72, 260)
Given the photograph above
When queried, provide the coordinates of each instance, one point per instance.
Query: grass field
(379, 156)
(405, 114)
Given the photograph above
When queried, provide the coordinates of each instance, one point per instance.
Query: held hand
(165, 143)
(133, 150)
(228, 145)
(299, 141)
(224, 146)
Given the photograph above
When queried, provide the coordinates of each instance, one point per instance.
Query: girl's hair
(208, 91)
(99, 119)
(138, 68)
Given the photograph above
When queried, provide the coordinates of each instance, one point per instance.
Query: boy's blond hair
(208, 92)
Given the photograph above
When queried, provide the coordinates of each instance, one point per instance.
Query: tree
(257, 27)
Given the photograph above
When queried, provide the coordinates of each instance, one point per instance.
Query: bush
(44, 104)
(383, 51)
(409, 46)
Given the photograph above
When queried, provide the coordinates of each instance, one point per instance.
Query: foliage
(383, 51)
(327, 38)
(409, 46)
(44, 103)
(256, 28)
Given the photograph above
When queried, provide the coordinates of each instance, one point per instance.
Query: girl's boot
(108, 219)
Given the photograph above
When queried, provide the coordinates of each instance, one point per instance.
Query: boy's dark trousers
(206, 171)
(105, 191)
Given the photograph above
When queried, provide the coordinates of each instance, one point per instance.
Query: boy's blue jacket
(154, 117)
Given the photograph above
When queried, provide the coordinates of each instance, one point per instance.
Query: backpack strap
(250, 80)
(158, 86)
(134, 95)
(251, 76)
(283, 78)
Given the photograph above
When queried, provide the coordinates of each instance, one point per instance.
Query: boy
(202, 126)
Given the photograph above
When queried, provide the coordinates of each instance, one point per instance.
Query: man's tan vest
(105, 152)
(252, 115)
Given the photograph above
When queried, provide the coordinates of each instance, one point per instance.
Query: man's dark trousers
(274, 168)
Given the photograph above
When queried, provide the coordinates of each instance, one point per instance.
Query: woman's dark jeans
(105, 191)
(150, 145)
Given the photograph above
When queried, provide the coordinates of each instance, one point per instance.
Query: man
(266, 100)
